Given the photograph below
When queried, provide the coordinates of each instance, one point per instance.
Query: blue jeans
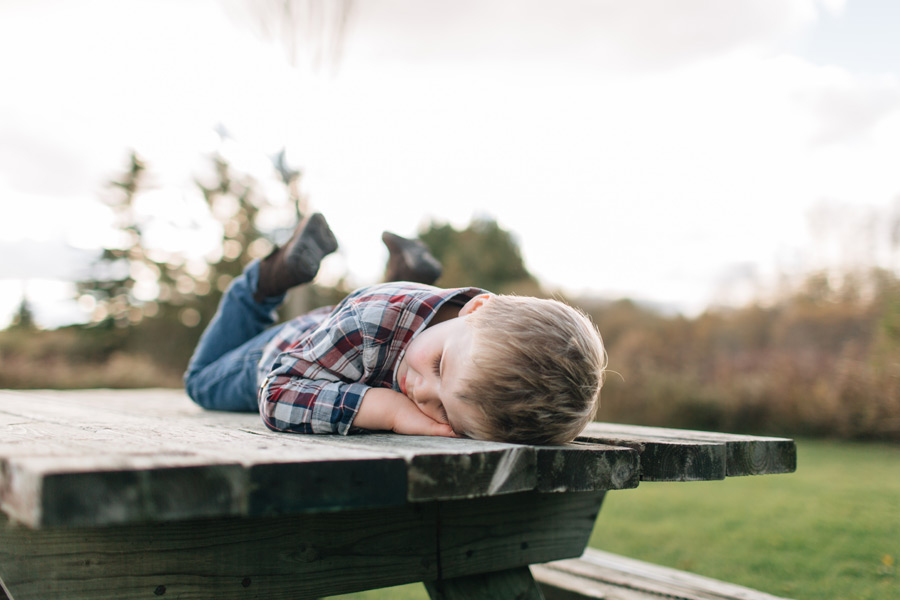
(222, 373)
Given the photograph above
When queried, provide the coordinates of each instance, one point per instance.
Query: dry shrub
(822, 361)
(119, 371)
(70, 358)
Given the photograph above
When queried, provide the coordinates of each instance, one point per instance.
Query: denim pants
(222, 373)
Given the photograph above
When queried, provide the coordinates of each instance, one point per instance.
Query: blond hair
(539, 366)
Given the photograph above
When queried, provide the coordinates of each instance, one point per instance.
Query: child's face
(436, 364)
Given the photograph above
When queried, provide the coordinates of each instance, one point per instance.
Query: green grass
(830, 530)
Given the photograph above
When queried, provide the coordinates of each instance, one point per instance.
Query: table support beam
(296, 557)
(513, 584)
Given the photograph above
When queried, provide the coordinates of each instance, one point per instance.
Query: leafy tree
(483, 255)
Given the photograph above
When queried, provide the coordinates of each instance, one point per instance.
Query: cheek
(412, 355)
(414, 359)
(418, 352)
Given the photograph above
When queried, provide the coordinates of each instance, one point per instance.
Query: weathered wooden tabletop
(127, 494)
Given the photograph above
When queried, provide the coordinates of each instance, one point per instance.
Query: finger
(429, 426)
(445, 430)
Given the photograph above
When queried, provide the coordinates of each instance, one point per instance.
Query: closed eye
(444, 417)
(437, 365)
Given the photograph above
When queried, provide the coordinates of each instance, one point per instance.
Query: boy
(402, 356)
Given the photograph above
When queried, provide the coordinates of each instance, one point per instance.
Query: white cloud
(39, 161)
(647, 34)
(849, 107)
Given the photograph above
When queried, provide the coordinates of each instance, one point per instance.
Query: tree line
(820, 359)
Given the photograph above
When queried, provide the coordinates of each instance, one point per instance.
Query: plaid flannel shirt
(315, 371)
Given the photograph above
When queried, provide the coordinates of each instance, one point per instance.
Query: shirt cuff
(351, 397)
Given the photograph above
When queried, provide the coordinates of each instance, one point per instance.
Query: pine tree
(23, 319)
(188, 290)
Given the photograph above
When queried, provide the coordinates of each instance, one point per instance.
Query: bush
(821, 361)
(76, 357)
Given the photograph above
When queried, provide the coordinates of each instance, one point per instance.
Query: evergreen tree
(24, 317)
(187, 291)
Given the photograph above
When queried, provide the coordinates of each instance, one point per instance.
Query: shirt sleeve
(315, 386)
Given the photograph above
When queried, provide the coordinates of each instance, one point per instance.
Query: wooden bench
(115, 495)
(599, 575)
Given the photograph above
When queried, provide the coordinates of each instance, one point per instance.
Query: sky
(685, 153)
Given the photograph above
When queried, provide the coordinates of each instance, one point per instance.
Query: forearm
(379, 408)
(314, 406)
(383, 409)
(300, 405)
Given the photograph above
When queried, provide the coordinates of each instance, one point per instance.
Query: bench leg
(513, 584)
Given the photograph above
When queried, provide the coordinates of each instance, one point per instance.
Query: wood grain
(489, 534)
(585, 467)
(294, 557)
(447, 468)
(104, 457)
(599, 574)
(665, 459)
(744, 454)
(108, 494)
(291, 557)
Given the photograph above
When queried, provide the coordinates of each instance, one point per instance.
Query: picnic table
(110, 494)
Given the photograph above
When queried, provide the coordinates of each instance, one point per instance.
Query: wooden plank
(560, 585)
(59, 458)
(503, 532)
(166, 421)
(291, 488)
(289, 473)
(665, 459)
(745, 454)
(58, 492)
(611, 574)
(448, 468)
(53, 491)
(7, 420)
(285, 475)
(227, 559)
(57, 408)
(158, 402)
(305, 556)
(585, 467)
(110, 431)
(53, 439)
(514, 584)
(276, 474)
(472, 468)
(280, 468)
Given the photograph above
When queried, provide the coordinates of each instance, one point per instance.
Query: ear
(474, 304)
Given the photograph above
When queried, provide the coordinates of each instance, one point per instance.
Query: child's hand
(383, 409)
(410, 420)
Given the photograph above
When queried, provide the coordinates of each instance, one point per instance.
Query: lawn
(830, 530)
